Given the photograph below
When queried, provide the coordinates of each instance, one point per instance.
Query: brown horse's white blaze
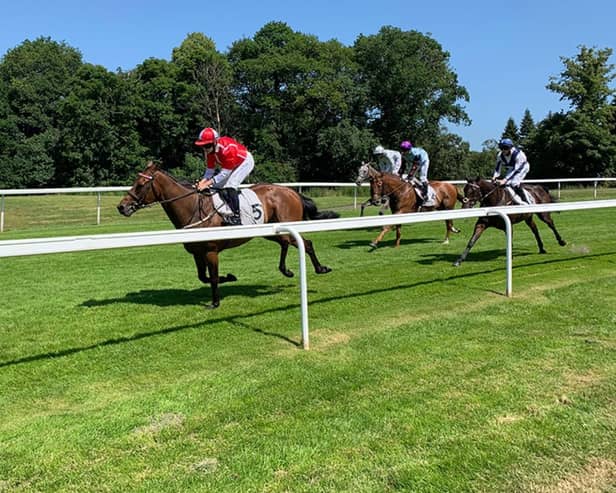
(490, 194)
(403, 198)
(185, 207)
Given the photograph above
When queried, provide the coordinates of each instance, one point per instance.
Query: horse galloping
(403, 198)
(187, 208)
(489, 194)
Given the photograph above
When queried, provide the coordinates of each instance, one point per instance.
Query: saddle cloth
(530, 199)
(251, 208)
(418, 190)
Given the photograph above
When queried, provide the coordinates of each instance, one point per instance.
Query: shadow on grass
(386, 243)
(167, 297)
(178, 297)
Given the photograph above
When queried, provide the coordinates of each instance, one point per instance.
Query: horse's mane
(179, 180)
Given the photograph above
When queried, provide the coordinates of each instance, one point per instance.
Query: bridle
(380, 183)
(482, 196)
(149, 184)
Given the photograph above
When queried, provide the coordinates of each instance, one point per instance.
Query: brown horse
(187, 208)
(403, 198)
(490, 194)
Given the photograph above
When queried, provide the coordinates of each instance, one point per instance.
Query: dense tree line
(309, 110)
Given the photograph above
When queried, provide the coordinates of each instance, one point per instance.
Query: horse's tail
(547, 190)
(311, 212)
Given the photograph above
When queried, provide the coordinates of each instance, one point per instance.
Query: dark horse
(403, 198)
(490, 194)
(187, 208)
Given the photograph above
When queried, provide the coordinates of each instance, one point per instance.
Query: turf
(420, 377)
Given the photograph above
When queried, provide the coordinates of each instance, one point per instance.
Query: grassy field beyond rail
(422, 377)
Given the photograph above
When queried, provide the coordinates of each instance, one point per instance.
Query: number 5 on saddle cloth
(251, 208)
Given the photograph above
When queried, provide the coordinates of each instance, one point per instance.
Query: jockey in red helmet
(235, 163)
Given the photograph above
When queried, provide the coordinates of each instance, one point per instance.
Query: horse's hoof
(373, 245)
(212, 305)
(562, 242)
(231, 278)
(446, 242)
(287, 273)
(456, 263)
(323, 270)
(542, 251)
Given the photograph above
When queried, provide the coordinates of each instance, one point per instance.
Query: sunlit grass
(421, 376)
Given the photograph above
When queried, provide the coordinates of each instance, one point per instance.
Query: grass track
(421, 377)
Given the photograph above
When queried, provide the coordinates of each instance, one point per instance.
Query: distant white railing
(11, 248)
(299, 185)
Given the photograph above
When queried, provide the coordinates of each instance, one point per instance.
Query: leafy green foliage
(309, 110)
(511, 131)
(411, 88)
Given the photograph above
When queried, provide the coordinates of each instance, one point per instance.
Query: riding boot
(424, 190)
(519, 197)
(522, 193)
(233, 200)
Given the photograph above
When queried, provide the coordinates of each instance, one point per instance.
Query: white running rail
(99, 190)
(12, 248)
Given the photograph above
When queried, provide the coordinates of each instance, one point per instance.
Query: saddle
(251, 208)
(416, 184)
(522, 193)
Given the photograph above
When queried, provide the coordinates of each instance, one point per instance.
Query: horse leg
(201, 267)
(212, 266)
(449, 228)
(283, 241)
(546, 217)
(318, 267)
(384, 231)
(363, 206)
(479, 229)
(533, 227)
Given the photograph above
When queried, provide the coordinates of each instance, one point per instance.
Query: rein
(394, 190)
(482, 196)
(150, 182)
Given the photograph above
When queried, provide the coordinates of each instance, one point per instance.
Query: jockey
(419, 160)
(235, 163)
(387, 160)
(517, 168)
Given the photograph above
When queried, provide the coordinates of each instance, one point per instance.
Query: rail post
(303, 284)
(98, 208)
(509, 255)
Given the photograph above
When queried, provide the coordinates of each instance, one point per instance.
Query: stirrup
(233, 220)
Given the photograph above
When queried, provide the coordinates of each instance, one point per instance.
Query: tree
(36, 76)
(98, 141)
(208, 76)
(527, 129)
(292, 91)
(585, 81)
(162, 127)
(511, 131)
(411, 88)
(448, 157)
(580, 142)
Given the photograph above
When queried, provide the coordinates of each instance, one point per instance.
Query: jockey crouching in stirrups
(516, 164)
(235, 163)
(419, 160)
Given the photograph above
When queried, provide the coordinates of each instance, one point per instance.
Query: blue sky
(503, 52)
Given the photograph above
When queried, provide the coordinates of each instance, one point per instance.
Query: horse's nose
(122, 209)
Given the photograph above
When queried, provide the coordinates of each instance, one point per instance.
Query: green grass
(420, 377)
